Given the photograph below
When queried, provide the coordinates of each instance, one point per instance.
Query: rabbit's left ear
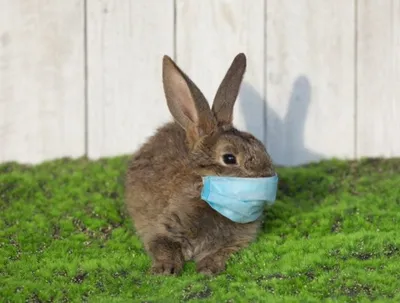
(228, 91)
(186, 102)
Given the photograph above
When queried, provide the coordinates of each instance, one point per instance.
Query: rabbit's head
(215, 146)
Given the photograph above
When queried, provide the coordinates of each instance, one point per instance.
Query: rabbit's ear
(228, 90)
(186, 102)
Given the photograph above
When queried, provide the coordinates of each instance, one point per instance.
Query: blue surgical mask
(241, 200)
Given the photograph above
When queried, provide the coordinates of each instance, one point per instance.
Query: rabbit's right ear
(228, 90)
(186, 102)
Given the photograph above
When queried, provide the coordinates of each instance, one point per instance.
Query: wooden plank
(41, 80)
(378, 74)
(209, 35)
(310, 80)
(126, 42)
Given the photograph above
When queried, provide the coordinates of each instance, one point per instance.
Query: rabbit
(164, 177)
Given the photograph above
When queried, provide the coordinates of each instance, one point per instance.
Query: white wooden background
(83, 77)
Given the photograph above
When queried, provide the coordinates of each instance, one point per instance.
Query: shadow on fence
(285, 136)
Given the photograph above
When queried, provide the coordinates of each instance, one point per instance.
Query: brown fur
(164, 179)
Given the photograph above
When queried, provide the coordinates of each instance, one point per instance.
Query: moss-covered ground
(332, 236)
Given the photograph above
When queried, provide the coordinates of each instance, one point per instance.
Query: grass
(332, 236)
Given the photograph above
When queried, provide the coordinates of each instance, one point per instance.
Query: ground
(332, 235)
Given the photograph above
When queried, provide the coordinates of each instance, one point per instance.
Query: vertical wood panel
(310, 80)
(126, 42)
(41, 80)
(378, 73)
(209, 34)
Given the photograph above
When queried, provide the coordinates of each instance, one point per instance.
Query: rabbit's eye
(229, 159)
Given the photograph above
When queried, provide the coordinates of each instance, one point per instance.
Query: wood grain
(378, 74)
(310, 80)
(126, 42)
(322, 78)
(41, 80)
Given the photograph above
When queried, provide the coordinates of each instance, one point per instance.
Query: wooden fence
(83, 77)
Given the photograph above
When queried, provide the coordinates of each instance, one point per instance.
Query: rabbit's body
(171, 206)
(164, 182)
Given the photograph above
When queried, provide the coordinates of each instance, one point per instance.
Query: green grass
(332, 235)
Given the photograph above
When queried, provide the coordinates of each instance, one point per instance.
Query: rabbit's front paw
(211, 265)
(167, 267)
(167, 256)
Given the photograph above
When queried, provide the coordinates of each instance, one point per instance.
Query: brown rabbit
(164, 179)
